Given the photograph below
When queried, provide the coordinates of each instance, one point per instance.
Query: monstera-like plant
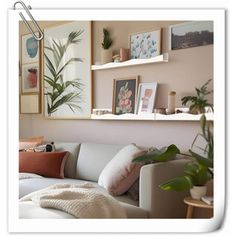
(61, 92)
(197, 172)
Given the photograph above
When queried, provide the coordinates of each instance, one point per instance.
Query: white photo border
(110, 225)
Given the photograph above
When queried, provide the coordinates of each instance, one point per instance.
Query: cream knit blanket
(81, 201)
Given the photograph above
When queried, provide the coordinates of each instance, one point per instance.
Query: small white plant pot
(198, 191)
(106, 56)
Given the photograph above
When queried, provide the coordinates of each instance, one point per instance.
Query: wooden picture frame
(67, 76)
(30, 104)
(145, 44)
(124, 95)
(191, 34)
(146, 97)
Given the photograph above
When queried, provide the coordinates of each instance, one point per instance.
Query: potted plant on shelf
(106, 54)
(199, 102)
(197, 172)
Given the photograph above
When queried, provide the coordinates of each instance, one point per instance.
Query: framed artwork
(124, 95)
(67, 71)
(191, 34)
(146, 97)
(29, 49)
(30, 78)
(145, 45)
(29, 103)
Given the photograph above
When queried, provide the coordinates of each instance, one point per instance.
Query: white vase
(106, 56)
(198, 191)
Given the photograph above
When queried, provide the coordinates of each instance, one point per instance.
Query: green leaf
(67, 63)
(202, 160)
(163, 155)
(178, 184)
(50, 65)
(50, 82)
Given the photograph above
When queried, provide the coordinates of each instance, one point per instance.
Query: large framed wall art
(67, 71)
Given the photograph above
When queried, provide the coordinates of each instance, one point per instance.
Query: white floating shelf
(132, 62)
(153, 117)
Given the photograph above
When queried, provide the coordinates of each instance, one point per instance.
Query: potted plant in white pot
(199, 102)
(106, 54)
(197, 172)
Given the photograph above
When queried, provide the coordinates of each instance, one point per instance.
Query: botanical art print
(29, 49)
(145, 45)
(124, 95)
(191, 34)
(67, 77)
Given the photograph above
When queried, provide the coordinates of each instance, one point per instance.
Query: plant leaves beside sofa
(200, 168)
(159, 155)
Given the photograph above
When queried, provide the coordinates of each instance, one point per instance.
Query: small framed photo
(124, 95)
(191, 34)
(30, 78)
(146, 97)
(145, 45)
(29, 49)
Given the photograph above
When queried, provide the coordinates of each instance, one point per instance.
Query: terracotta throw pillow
(47, 164)
(121, 173)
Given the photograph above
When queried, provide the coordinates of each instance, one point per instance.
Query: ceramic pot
(198, 191)
(106, 56)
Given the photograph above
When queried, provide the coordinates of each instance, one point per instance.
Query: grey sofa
(85, 163)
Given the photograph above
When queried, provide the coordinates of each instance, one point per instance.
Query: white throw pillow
(120, 173)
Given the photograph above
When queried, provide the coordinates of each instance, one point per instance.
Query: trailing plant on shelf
(61, 91)
(199, 102)
(200, 168)
(107, 41)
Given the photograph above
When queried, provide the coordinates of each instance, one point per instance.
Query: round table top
(197, 203)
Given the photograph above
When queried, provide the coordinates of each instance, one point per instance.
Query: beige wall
(185, 70)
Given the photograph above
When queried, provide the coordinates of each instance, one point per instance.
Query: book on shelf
(208, 200)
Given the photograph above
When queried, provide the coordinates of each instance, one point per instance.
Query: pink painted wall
(185, 70)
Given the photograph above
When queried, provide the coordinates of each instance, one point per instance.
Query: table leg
(189, 212)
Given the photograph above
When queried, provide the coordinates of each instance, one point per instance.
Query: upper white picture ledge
(154, 117)
(132, 62)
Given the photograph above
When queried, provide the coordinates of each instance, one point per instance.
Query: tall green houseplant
(61, 92)
(198, 171)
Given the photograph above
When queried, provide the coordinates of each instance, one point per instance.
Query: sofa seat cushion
(29, 210)
(27, 186)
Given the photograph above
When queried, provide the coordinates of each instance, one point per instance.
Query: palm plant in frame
(62, 91)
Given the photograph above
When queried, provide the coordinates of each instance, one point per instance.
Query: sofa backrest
(93, 158)
(71, 162)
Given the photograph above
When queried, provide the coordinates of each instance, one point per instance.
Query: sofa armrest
(160, 203)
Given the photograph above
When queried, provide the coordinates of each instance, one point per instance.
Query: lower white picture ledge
(153, 117)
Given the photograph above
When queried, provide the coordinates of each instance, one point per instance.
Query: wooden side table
(195, 203)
